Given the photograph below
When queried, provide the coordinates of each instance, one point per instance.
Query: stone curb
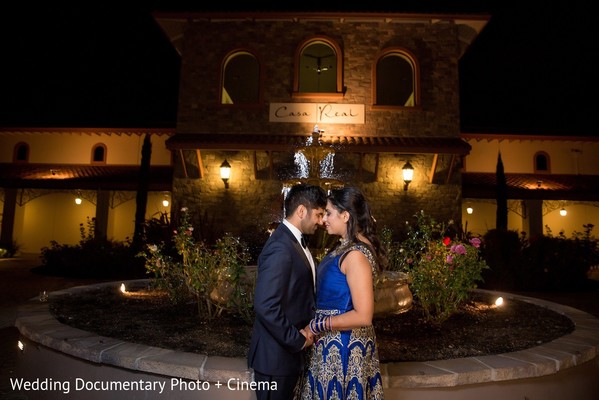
(35, 322)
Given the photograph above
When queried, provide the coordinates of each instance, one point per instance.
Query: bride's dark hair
(352, 200)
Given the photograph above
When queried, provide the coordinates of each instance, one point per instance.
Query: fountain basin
(59, 355)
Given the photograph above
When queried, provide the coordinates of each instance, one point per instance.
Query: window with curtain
(318, 67)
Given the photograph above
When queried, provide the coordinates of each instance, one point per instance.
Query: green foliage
(442, 263)
(559, 263)
(91, 257)
(502, 250)
(541, 263)
(214, 275)
(395, 261)
(8, 250)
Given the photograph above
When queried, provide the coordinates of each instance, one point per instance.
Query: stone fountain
(315, 164)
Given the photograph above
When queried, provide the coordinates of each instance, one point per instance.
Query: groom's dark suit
(284, 304)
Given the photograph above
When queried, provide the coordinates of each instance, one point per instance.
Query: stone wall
(250, 206)
(207, 43)
(253, 202)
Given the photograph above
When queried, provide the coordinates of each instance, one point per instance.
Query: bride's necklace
(343, 244)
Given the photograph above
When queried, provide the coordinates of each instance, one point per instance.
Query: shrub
(92, 257)
(215, 276)
(559, 263)
(502, 250)
(544, 262)
(8, 250)
(443, 265)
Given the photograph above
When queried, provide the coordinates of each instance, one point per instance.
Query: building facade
(552, 183)
(43, 171)
(379, 91)
(328, 98)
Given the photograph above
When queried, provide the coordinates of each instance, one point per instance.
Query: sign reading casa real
(327, 113)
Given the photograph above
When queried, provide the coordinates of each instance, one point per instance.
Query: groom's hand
(309, 337)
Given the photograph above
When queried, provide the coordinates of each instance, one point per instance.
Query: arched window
(395, 79)
(240, 79)
(542, 163)
(318, 68)
(21, 152)
(99, 154)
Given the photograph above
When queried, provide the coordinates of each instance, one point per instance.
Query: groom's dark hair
(310, 196)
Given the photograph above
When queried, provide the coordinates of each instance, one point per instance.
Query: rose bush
(214, 275)
(443, 265)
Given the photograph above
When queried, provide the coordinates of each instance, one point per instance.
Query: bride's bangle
(320, 324)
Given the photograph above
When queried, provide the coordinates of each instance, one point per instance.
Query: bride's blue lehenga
(343, 364)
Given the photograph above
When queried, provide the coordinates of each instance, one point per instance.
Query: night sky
(532, 70)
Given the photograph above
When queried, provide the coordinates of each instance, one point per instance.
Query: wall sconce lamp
(469, 209)
(78, 199)
(165, 201)
(408, 174)
(225, 173)
(563, 212)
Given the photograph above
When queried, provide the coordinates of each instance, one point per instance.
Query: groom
(284, 296)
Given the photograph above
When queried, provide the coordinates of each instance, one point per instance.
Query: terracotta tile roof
(69, 176)
(532, 186)
(370, 7)
(373, 144)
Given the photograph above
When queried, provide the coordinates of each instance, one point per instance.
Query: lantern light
(225, 173)
(408, 175)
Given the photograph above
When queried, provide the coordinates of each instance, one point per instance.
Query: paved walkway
(19, 283)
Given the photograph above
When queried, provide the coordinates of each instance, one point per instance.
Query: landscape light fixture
(408, 175)
(225, 173)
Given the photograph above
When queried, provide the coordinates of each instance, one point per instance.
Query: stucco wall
(566, 156)
(76, 148)
(55, 216)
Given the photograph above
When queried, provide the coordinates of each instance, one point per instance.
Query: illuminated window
(396, 79)
(318, 68)
(240, 79)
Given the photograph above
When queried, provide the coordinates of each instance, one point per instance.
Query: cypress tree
(141, 198)
(501, 216)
